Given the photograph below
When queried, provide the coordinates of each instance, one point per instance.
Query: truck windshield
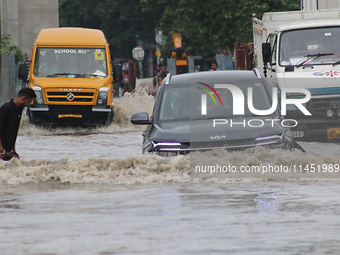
(70, 62)
(314, 46)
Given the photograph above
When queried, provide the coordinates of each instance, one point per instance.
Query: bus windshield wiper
(312, 57)
(57, 74)
(93, 74)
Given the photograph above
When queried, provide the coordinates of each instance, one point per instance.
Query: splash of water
(124, 108)
(149, 169)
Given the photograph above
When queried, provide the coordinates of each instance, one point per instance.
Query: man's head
(214, 65)
(24, 97)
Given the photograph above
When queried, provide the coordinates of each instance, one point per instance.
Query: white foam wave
(149, 169)
(145, 169)
(132, 170)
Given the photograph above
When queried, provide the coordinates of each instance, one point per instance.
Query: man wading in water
(10, 116)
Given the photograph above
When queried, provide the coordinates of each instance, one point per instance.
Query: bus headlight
(102, 96)
(40, 98)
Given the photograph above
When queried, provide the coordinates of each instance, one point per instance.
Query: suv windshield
(184, 102)
(70, 62)
(317, 46)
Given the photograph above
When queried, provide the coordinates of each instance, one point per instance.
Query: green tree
(207, 25)
(7, 47)
(204, 25)
(16, 51)
(122, 22)
(5, 39)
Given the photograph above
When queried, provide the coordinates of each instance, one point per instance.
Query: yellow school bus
(72, 76)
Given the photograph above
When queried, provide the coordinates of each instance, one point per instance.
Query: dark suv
(207, 110)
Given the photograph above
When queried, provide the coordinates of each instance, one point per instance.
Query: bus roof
(70, 36)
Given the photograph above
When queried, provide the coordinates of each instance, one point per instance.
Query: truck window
(70, 62)
(295, 45)
(273, 47)
(273, 44)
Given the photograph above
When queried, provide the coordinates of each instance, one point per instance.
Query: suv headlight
(166, 144)
(102, 96)
(281, 142)
(40, 98)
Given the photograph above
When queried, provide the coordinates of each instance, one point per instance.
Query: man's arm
(2, 151)
(3, 119)
(1, 148)
(7, 155)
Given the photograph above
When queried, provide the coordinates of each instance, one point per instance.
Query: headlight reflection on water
(269, 202)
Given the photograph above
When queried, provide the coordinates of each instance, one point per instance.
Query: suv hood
(204, 130)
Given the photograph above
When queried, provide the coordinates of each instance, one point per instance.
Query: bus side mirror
(266, 53)
(23, 72)
(117, 72)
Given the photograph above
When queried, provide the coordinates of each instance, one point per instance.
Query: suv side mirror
(141, 118)
(117, 72)
(23, 72)
(266, 53)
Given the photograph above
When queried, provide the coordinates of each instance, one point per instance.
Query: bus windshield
(70, 62)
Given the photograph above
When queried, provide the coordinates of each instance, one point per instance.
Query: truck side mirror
(23, 72)
(266, 53)
(117, 72)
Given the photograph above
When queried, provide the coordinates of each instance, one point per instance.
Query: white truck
(301, 49)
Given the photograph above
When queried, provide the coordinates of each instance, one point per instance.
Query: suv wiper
(57, 74)
(313, 57)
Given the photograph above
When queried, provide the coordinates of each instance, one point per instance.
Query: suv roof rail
(257, 73)
(167, 79)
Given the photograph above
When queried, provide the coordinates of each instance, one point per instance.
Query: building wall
(9, 84)
(24, 19)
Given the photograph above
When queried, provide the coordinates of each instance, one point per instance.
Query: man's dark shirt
(10, 117)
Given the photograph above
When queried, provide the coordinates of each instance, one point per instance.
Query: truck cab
(302, 50)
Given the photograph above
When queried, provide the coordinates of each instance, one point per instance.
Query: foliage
(6, 47)
(5, 40)
(122, 22)
(208, 25)
(15, 50)
(205, 26)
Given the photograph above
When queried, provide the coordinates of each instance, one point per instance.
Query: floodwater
(91, 191)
